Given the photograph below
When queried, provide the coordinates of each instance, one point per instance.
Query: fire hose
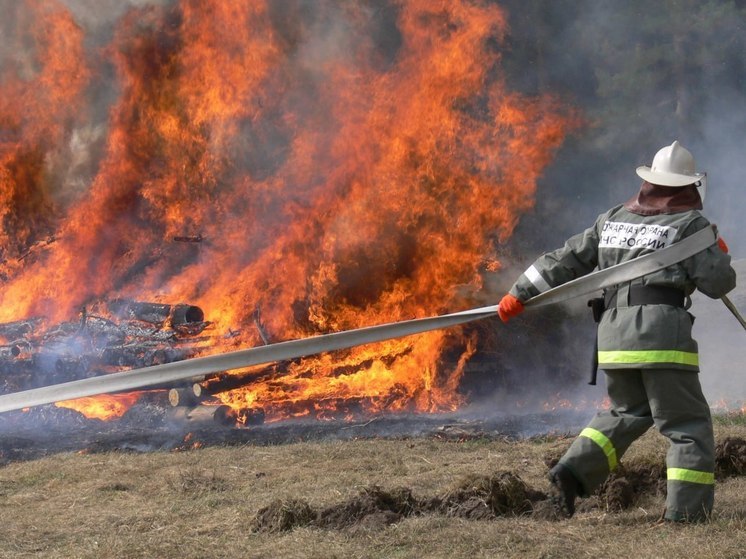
(158, 375)
(734, 311)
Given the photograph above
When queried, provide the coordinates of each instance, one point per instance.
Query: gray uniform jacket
(642, 336)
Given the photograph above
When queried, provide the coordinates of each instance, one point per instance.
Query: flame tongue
(346, 167)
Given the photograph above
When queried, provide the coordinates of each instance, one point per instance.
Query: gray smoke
(93, 15)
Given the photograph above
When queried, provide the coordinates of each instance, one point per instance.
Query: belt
(647, 295)
(638, 295)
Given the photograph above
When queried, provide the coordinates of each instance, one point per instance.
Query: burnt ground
(147, 427)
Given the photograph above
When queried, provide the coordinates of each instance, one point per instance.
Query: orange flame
(107, 406)
(345, 169)
(40, 93)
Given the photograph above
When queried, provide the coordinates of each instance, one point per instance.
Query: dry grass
(201, 503)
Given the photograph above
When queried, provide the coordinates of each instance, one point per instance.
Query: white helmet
(672, 166)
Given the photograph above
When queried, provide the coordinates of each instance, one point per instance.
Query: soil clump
(474, 498)
(730, 457)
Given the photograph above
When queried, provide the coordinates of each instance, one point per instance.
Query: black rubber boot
(563, 491)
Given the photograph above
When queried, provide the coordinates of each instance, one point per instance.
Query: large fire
(344, 164)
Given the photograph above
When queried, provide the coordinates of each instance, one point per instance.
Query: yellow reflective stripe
(649, 356)
(693, 476)
(604, 442)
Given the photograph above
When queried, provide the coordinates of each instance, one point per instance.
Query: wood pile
(136, 334)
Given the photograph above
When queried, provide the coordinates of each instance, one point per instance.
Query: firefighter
(645, 344)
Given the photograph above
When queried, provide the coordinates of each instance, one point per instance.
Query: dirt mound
(629, 482)
(373, 505)
(485, 497)
(283, 515)
(475, 498)
(730, 457)
(624, 487)
(372, 508)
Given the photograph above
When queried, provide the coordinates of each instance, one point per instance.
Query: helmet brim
(667, 179)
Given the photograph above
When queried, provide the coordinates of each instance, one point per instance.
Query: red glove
(509, 307)
(722, 245)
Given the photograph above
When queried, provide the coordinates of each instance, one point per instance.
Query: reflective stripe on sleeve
(534, 277)
(692, 476)
(604, 442)
(648, 356)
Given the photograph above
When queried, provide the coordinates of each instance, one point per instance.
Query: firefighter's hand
(722, 245)
(509, 307)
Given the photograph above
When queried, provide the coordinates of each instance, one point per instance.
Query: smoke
(722, 351)
(95, 15)
(643, 75)
(649, 79)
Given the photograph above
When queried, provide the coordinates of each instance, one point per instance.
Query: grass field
(203, 502)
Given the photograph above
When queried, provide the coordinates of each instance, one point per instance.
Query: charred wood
(19, 328)
(146, 331)
(190, 328)
(156, 313)
(250, 416)
(226, 415)
(189, 238)
(61, 331)
(226, 381)
(103, 331)
(39, 245)
(185, 314)
(143, 354)
(11, 350)
(260, 328)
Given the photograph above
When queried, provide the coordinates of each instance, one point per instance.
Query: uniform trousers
(670, 399)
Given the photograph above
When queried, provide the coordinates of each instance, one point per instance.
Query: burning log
(11, 350)
(60, 333)
(154, 313)
(103, 332)
(18, 328)
(226, 382)
(143, 354)
(36, 248)
(185, 314)
(250, 416)
(157, 313)
(260, 328)
(147, 332)
(189, 238)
